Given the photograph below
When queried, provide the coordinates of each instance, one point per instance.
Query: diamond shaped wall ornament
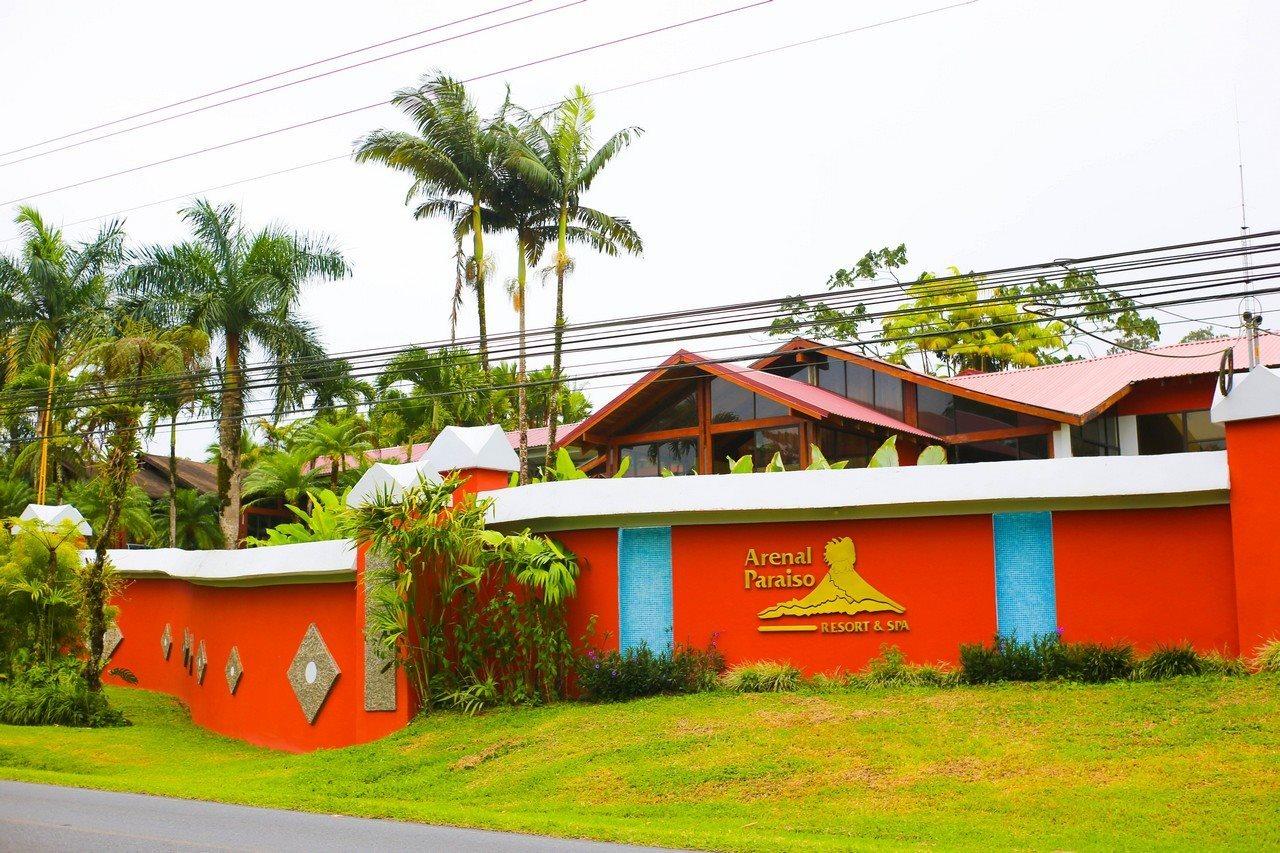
(186, 646)
(166, 640)
(312, 673)
(111, 641)
(202, 663)
(233, 670)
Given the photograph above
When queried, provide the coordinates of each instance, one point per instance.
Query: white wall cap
(1256, 394)
(1181, 479)
(330, 560)
(55, 515)
(458, 448)
(391, 479)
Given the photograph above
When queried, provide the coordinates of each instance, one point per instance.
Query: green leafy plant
(456, 605)
(324, 520)
(886, 455)
(934, 454)
(639, 671)
(56, 695)
(818, 462)
(1266, 658)
(761, 677)
(563, 469)
(1216, 663)
(891, 668)
(1043, 658)
(1169, 661)
(742, 465)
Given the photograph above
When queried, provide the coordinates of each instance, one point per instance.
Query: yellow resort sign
(840, 592)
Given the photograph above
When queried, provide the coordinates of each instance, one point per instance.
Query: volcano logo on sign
(842, 591)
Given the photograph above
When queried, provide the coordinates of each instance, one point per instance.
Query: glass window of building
(1004, 450)
(889, 395)
(852, 447)
(936, 410)
(1098, 437)
(731, 403)
(1179, 432)
(759, 444)
(974, 416)
(860, 384)
(679, 411)
(830, 375)
(679, 456)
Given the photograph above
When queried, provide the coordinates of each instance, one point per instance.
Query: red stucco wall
(1146, 576)
(266, 623)
(597, 553)
(1253, 455)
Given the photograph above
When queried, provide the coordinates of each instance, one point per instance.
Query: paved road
(46, 817)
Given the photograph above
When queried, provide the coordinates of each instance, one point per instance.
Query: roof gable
(798, 396)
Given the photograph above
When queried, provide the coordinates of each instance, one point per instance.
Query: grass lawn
(1183, 763)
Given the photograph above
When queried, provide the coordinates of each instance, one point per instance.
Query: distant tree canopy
(960, 321)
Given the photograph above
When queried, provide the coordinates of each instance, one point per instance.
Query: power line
(611, 344)
(262, 79)
(291, 83)
(633, 371)
(637, 326)
(365, 107)
(619, 88)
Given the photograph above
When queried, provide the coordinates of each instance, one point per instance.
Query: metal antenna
(1252, 319)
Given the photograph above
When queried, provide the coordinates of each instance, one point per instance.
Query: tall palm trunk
(122, 460)
(46, 431)
(522, 394)
(553, 396)
(229, 429)
(477, 251)
(173, 479)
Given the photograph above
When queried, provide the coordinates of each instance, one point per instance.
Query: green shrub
(1216, 663)
(1091, 663)
(1044, 658)
(764, 676)
(1266, 658)
(891, 669)
(1169, 662)
(614, 676)
(55, 696)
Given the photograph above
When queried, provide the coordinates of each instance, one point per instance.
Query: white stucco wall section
(1115, 482)
(306, 562)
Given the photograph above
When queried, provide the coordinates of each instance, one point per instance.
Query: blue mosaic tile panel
(644, 587)
(1026, 604)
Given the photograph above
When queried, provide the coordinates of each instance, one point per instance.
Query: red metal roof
(819, 402)
(1080, 387)
(813, 397)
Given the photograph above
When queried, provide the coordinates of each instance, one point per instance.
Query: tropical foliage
(961, 322)
(472, 615)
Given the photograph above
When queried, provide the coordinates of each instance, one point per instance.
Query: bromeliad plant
(471, 615)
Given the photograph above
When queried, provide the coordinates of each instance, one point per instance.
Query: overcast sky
(988, 135)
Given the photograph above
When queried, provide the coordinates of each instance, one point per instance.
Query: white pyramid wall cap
(55, 515)
(1255, 394)
(389, 478)
(459, 448)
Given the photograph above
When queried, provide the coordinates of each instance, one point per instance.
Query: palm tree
(430, 389)
(336, 441)
(554, 154)
(521, 209)
(198, 526)
(453, 161)
(55, 298)
(136, 352)
(242, 288)
(284, 475)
